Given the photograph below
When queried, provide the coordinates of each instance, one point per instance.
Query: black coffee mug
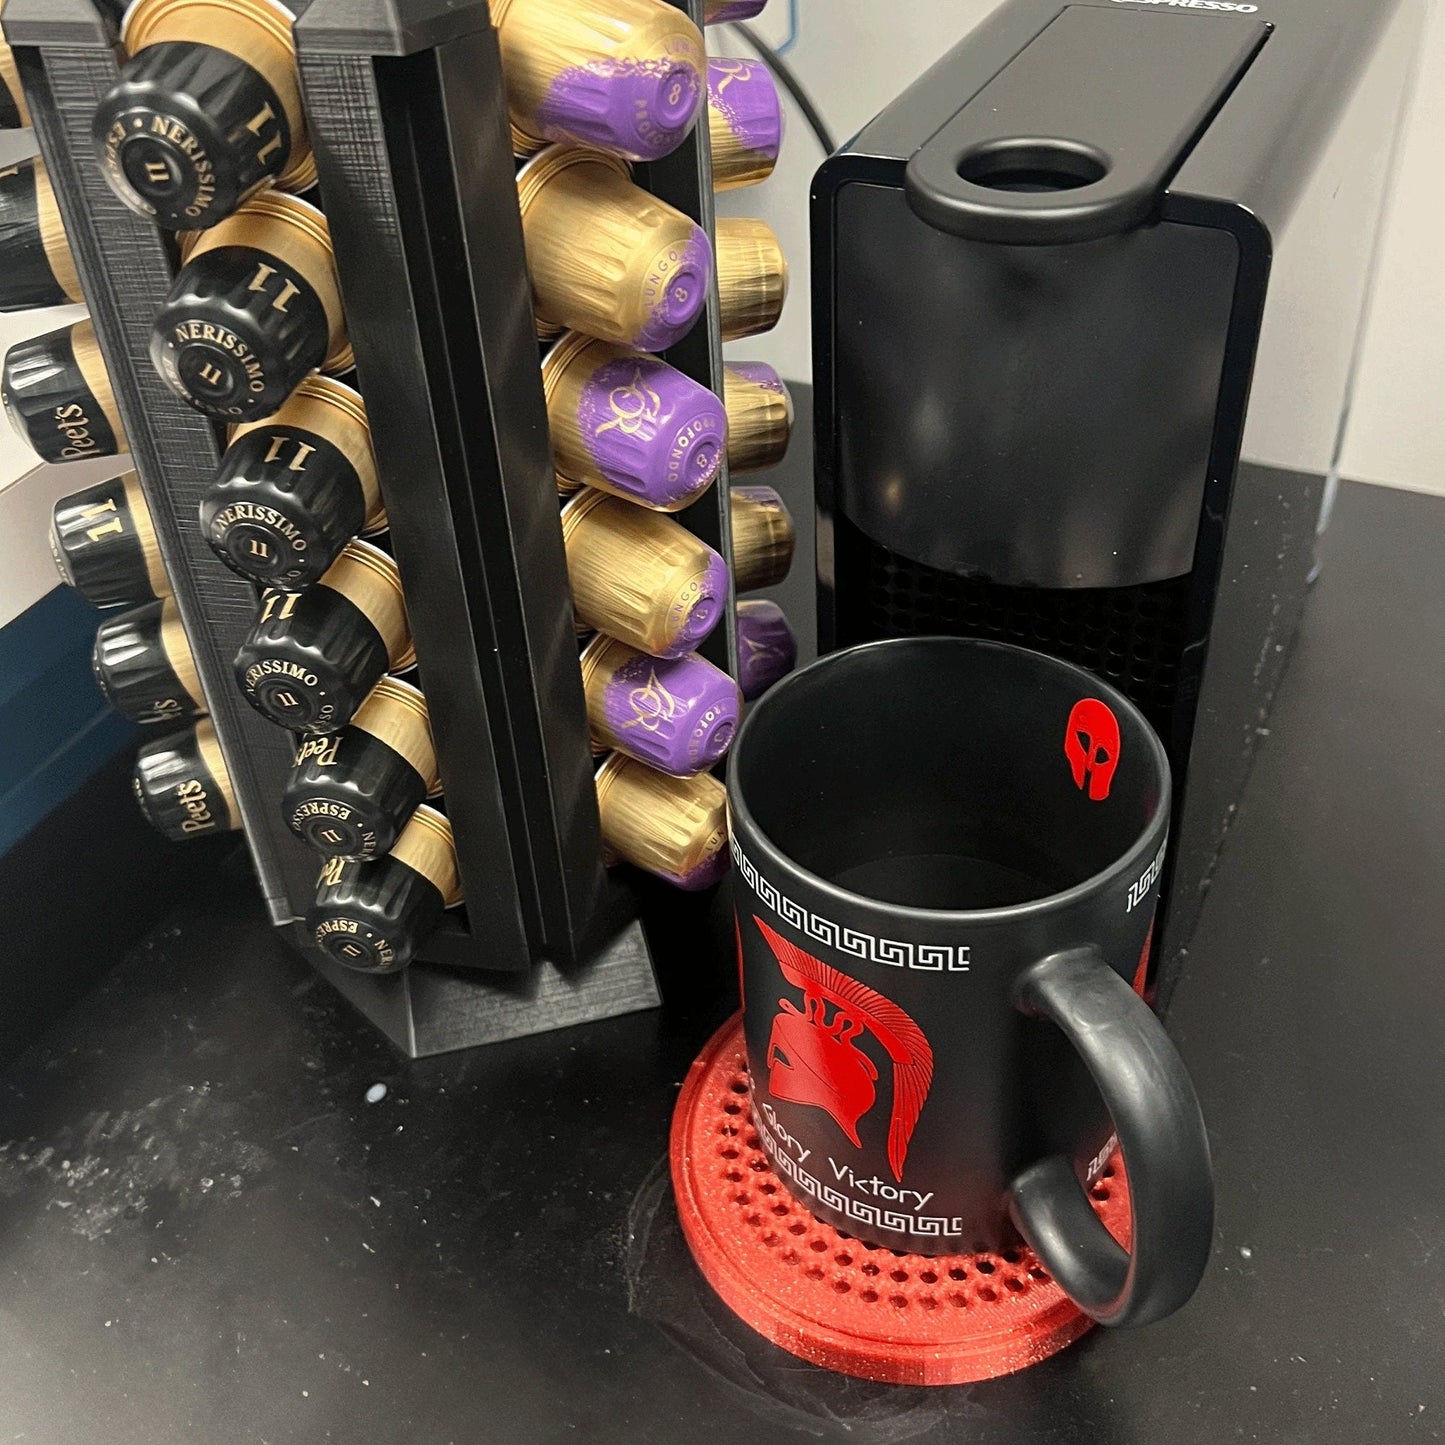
(948, 856)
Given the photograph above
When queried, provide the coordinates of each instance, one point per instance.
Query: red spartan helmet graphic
(816, 1062)
(1091, 744)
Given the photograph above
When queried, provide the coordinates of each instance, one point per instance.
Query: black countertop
(207, 1232)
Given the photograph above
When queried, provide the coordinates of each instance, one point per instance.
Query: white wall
(855, 55)
(27, 571)
(1397, 427)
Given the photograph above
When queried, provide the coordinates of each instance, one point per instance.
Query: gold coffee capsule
(313, 656)
(673, 828)
(373, 916)
(760, 416)
(57, 395)
(427, 848)
(207, 110)
(182, 785)
(640, 576)
(104, 544)
(622, 75)
(144, 665)
(254, 309)
(350, 793)
(294, 489)
(630, 424)
(745, 122)
(36, 267)
(763, 538)
(14, 114)
(605, 257)
(752, 276)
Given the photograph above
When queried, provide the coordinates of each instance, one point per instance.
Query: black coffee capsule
(105, 546)
(57, 396)
(255, 307)
(293, 490)
(350, 793)
(313, 656)
(36, 267)
(182, 785)
(14, 113)
(144, 665)
(207, 110)
(373, 916)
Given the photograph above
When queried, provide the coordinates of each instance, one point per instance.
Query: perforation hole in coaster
(834, 1300)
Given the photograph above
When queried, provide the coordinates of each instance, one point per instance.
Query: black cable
(790, 82)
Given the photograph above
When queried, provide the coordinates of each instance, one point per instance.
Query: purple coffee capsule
(640, 109)
(706, 611)
(623, 75)
(629, 424)
(717, 12)
(677, 288)
(678, 715)
(767, 649)
(745, 122)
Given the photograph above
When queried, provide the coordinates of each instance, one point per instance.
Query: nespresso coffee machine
(1087, 299)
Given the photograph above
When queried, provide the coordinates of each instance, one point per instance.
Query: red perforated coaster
(908, 1319)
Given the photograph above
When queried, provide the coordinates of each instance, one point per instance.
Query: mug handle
(1161, 1135)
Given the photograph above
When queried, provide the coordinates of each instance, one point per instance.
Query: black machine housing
(1087, 301)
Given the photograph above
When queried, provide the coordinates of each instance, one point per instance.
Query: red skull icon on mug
(1091, 744)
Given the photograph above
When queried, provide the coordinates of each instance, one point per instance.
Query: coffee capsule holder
(407, 114)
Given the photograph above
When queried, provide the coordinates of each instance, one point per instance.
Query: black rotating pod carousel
(428, 248)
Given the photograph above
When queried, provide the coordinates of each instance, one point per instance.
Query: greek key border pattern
(896, 953)
(929, 1226)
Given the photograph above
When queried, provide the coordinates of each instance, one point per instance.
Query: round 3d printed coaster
(907, 1319)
